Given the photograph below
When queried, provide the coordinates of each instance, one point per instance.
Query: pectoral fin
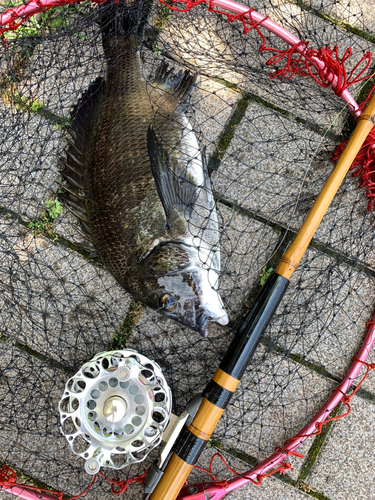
(176, 191)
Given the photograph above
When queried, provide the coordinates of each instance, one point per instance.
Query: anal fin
(179, 84)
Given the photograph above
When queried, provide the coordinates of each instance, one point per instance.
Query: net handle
(21, 491)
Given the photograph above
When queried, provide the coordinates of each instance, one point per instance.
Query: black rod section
(246, 339)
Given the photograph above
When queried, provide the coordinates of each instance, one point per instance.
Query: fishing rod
(165, 481)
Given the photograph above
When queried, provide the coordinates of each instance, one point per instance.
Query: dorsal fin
(82, 114)
(73, 166)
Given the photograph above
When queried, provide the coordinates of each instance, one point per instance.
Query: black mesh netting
(268, 151)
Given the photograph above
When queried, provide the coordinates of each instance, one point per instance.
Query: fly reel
(115, 409)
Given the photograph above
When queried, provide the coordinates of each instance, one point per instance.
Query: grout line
(366, 395)
(320, 370)
(32, 352)
(316, 245)
(250, 214)
(227, 133)
(331, 20)
(51, 236)
(121, 337)
(261, 100)
(297, 358)
(314, 451)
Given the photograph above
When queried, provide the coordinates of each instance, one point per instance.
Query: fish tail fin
(125, 19)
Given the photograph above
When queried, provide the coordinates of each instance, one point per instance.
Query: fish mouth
(222, 320)
(203, 319)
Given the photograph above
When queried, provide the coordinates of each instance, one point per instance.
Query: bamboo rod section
(293, 255)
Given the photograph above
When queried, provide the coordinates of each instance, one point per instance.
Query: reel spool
(115, 409)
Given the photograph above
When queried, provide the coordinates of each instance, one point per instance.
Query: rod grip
(172, 480)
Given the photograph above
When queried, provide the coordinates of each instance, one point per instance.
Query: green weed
(63, 124)
(44, 223)
(54, 208)
(121, 337)
(24, 104)
(161, 21)
(264, 275)
(156, 50)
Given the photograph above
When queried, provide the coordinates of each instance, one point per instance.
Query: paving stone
(344, 468)
(214, 55)
(347, 226)
(332, 304)
(55, 301)
(267, 163)
(359, 14)
(37, 416)
(271, 167)
(58, 85)
(28, 170)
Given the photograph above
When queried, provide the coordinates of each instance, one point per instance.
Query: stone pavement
(59, 306)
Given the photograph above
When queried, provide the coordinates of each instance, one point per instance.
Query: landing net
(268, 139)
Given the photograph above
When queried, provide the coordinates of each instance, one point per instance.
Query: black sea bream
(139, 183)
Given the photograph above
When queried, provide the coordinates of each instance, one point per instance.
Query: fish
(138, 181)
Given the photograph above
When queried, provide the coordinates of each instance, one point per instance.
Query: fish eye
(168, 302)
